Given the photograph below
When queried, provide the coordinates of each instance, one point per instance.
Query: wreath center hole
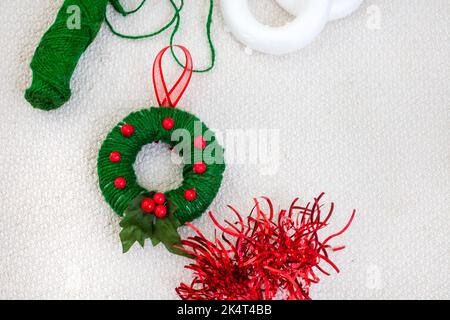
(157, 168)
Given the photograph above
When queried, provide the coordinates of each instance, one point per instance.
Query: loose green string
(208, 35)
(126, 36)
(175, 19)
(116, 4)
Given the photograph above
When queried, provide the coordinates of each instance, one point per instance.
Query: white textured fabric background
(364, 116)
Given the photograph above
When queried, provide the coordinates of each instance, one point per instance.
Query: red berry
(160, 211)
(148, 205)
(190, 194)
(168, 123)
(120, 183)
(199, 167)
(159, 198)
(127, 130)
(115, 156)
(199, 142)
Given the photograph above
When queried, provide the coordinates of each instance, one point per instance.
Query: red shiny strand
(262, 258)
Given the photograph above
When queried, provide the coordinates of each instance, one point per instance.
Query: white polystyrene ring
(338, 8)
(310, 20)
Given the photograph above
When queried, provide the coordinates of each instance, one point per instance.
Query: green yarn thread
(61, 48)
(148, 129)
(175, 19)
(120, 9)
(116, 4)
(59, 51)
(208, 34)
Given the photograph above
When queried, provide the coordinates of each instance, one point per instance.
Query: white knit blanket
(363, 114)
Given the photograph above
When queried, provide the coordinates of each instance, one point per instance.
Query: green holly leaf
(172, 207)
(155, 241)
(165, 231)
(136, 226)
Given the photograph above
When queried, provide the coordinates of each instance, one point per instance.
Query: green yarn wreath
(148, 128)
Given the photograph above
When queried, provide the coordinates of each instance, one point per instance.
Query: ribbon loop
(165, 97)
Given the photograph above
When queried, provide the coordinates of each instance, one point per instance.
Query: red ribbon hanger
(165, 97)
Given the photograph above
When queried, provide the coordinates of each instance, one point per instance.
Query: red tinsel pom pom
(263, 258)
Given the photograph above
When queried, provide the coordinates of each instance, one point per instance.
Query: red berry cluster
(156, 205)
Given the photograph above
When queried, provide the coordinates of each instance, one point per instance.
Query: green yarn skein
(59, 51)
